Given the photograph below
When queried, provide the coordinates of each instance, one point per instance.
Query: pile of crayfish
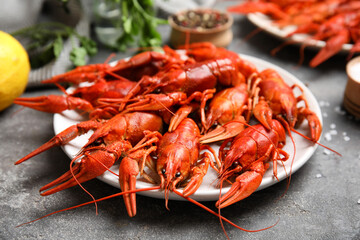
(157, 112)
(337, 22)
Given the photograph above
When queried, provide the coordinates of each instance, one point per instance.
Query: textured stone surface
(321, 203)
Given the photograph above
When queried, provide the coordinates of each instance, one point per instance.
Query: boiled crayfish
(247, 157)
(334, 21)
(163, 119)
(110, 140)
(277, 98)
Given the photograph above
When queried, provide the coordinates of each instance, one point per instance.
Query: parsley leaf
(139, 24)
(45, 41)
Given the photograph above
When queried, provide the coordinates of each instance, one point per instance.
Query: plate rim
(212, 195)
(265, 23)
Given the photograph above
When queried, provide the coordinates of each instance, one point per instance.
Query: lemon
(14, 69)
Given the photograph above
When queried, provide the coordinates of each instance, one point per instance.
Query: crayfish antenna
(90, 202)
(219, 210)
(223, 218)
(316, 142)
(288, 129)
(253, 33)
(274, 51)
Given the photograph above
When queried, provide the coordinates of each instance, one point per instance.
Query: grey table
(323, 201)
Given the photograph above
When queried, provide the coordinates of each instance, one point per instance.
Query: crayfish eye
(98, 141)
(177, 174)
(163, 171)
(235, 164)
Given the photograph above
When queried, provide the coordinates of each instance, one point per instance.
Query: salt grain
(324, 103)
(333, 132)
(327, 136)
(325, 114)
(346, 138)
(338, 110)
(318, 175)
(344, 133)
(359, 201)
(333, 126)
(327, 152)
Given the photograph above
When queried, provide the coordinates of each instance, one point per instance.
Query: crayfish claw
(333, 46)
(180, 115)
(313, 122)
(263, 113)
(228, 130)
(54, 103)
(61, 183)
(128, 170)
(193, 185)
(63, 138)
(89, 73)
(198, 172)
(91, 166)
(244, 186)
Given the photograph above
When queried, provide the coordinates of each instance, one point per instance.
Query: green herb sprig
(139, 24)
(45, 41)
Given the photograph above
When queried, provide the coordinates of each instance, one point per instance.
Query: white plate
(208, 190)
(264, 22)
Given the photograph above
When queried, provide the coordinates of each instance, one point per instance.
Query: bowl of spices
(201, 25)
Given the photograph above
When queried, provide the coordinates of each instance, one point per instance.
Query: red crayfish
(162, 119)
(110, 140)
(247, 158)
(332, 21)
